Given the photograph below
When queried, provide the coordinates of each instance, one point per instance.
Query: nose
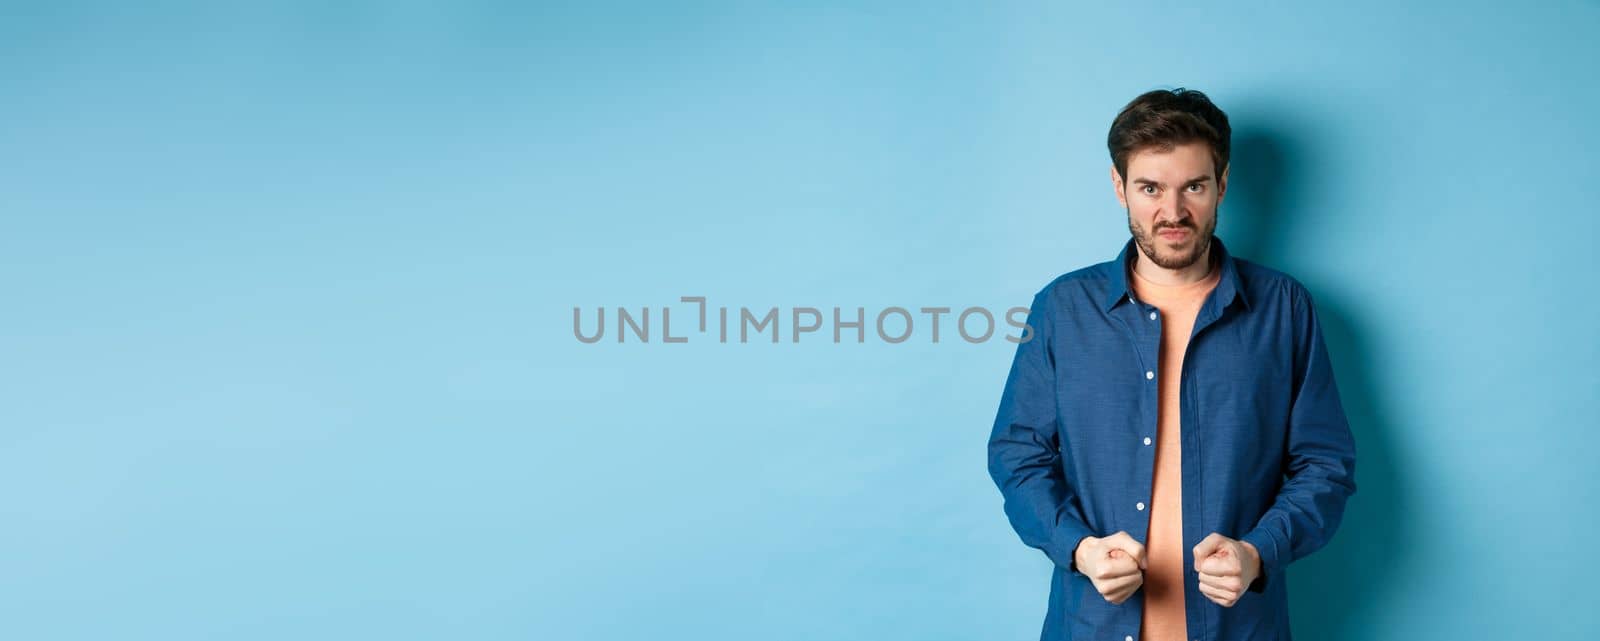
(1172, 206)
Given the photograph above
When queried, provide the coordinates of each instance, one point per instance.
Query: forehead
(1179, 163)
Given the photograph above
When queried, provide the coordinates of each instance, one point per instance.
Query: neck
(1159, 275)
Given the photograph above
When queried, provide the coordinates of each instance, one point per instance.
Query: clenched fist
(1114, 564)
(1226, 567)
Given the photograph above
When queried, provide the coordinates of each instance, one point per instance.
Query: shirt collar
(1228, 286)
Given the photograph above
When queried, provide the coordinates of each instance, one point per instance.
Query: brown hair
(1163, 118)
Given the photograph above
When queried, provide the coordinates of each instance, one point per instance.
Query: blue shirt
(1267, 453)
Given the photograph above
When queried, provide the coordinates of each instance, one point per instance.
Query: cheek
(1203, 206)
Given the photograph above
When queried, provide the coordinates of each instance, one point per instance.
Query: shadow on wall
(1336, 593)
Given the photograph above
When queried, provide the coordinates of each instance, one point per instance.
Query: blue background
(287, 333)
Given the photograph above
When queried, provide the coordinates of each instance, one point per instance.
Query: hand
(1113, 564)
(1227, 567)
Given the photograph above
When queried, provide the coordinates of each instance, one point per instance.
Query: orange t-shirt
(1163, 618)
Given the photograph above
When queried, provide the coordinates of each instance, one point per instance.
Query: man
(1170, 435)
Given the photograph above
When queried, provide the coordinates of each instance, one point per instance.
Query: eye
(1148, 189)
(1197, 187)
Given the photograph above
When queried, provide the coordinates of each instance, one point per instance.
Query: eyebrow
(1196, 179)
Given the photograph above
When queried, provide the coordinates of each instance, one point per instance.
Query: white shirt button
(1149, 375)
(1140, 505)
(1152, 315)
(1146, 440)
(1128, 638)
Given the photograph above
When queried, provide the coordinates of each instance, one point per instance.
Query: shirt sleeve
(1321, 456)
(1025, 448)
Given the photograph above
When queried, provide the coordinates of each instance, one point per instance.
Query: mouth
(1174, 233)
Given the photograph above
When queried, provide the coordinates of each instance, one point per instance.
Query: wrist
(1077, 550)
(1252, 556)
(1253, 565)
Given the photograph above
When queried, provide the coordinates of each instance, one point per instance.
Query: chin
(1179, 260)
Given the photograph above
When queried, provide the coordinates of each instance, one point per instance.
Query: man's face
(1172, 198)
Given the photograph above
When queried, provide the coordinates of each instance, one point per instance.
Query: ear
(1116, 184)
(1222, 183)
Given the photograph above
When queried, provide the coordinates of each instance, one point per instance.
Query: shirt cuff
(1069, 536)
(1267, 547)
